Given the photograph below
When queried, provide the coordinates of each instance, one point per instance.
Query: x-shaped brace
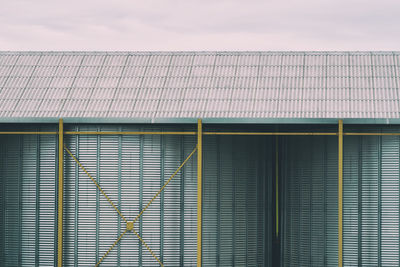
(130, 225)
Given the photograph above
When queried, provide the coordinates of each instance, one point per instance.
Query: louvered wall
(237, 219)
(308, 166)
(28, 177)
(237, 200)
(130, 169)
(371, 201)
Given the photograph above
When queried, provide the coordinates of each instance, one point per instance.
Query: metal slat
(310, 202)
(128, 191)
(373, 201)
(29, 201)
(235, 203)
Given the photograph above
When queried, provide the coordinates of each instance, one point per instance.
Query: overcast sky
(199, 25)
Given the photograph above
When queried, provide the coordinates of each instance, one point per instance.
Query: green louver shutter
(28, 178)
(130, 169)
(237, 201)
(309, 186)
(371, 201)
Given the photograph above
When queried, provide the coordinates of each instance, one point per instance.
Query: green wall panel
(28, 218)
(308, 166)
(237, 197)
(371, 201)
(130, 169)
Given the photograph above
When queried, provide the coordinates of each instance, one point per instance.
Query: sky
(206, 25)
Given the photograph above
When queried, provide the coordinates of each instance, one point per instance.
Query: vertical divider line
(119, 193)
(266, 178)
(97, 194)
(60, 191)
(55, 232)
(218, 146)
(162, 173)
(325, 195)
(76, 219)
(257, 192)
(283, 205)
(246, 200)
(311, 201)
(37, 209)
(340, 194)
(199, 190)
(277, 186)
(360, 168)
(234, 174)
(379, 201)
(141, 141)
(268, 170)
(20, 188)
(3, 189)
(182, 206)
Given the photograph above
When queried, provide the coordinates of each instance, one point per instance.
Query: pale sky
(205, 25)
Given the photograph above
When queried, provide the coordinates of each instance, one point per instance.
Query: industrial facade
(199, 158)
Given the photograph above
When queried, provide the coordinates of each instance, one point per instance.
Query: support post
(199, 188)
(60, 191)
(340, 195)
(277, 186)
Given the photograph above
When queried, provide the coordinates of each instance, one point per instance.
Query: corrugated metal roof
(245, 85)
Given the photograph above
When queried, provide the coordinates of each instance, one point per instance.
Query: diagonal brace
(130, 225)
(97, 185)
(149, 203)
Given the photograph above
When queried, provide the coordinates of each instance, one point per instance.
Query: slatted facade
(28, 185)
(237, 218)
(309, 201)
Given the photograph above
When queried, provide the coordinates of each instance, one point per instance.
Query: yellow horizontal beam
(28, 132)
(204, 133)
(262, 133)
(373, 134)
(132, 133)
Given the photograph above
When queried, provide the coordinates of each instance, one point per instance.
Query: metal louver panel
(130, 169)
(28, 218)
(309, 184)
(237, 201)
(371, 201)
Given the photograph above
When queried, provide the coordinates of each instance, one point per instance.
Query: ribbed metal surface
(28, 200)
(237, 201)
(130, 169)
(371, 201)
(309, 186)
(200, 84)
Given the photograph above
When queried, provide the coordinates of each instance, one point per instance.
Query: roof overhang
(205, 120)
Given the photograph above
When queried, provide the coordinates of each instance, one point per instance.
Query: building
(290, 158)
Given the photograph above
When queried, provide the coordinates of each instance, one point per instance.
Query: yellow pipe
(204, 133)
(277, 185)
(373, 134)
(132, 133)
(262, 133)
(340, 194)
(199, 188)
(28, 132)
(60, 190)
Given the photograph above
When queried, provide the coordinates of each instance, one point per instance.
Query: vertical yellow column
(340, 195)
(199, 188)
(277, 185)
(60, 189)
